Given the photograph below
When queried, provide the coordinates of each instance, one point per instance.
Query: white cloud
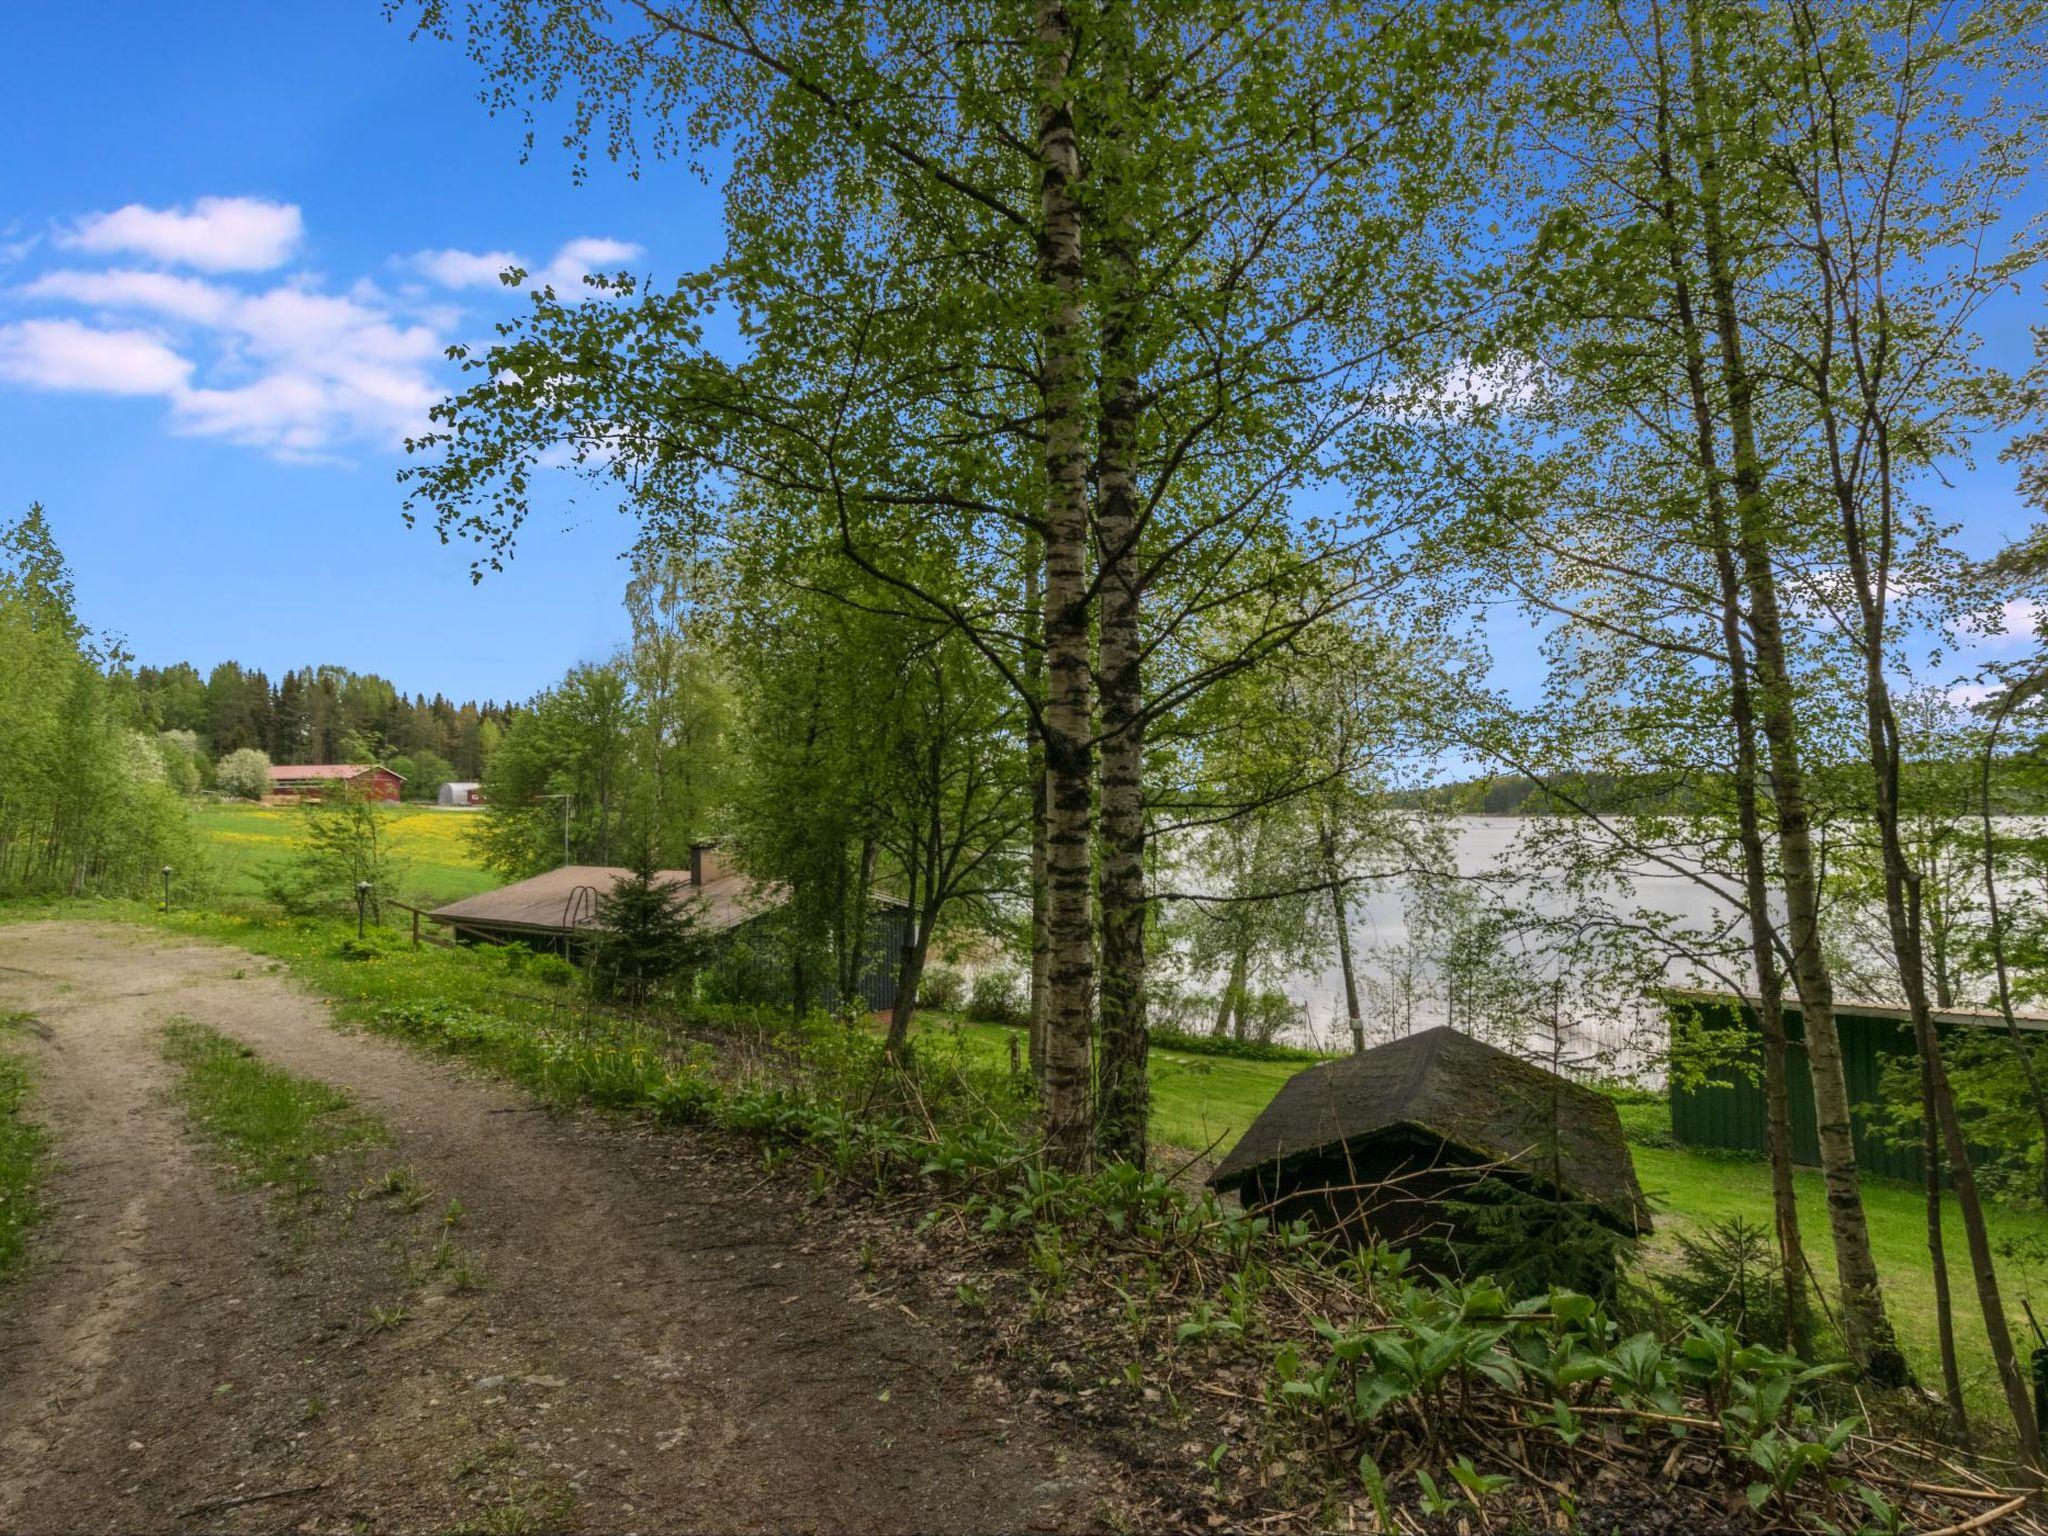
(290, 364)
(181, 298)
(216, 234)
(564, 271)
(579, 258)
(63, 354)
(466, 269)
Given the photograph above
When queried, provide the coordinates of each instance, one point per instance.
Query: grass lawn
(433, 844)
(1203, 1100)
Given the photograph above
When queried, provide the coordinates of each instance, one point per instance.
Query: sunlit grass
(432, 844)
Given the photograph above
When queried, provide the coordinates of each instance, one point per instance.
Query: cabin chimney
(697, 852)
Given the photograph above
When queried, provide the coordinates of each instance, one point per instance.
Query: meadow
(432, 845)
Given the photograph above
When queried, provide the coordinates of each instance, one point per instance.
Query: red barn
(310, 781)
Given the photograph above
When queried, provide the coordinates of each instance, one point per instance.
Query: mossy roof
(1483, 1105)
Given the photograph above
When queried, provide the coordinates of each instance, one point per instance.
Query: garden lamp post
(362, 897)
(167, 887)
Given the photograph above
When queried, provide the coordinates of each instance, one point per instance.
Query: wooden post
(415, 927)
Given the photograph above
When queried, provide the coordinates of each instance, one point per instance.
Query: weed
(389, 1319)
(464, 1280)
(451, 1218)
(401, 1187)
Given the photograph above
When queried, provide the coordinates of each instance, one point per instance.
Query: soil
(664, 1339)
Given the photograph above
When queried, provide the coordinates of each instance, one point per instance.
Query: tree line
(323, 714)
(87, 800)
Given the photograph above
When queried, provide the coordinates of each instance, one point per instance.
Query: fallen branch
(237, 1500)
(1978, 1522)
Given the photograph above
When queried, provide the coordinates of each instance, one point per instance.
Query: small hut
(1374, 1145)
(460, 792)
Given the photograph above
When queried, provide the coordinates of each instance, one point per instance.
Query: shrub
(342, 845)
(244, 773)
(552, 971)
(941, 987)
(996, 998)
(1223, 1045)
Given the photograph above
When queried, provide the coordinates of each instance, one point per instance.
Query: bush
(341, 846)
(941, 987)
(996, 998)
(1224, 1045)
(244, 774)
(552, 971)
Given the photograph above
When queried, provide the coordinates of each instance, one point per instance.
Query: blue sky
(234, 239)
(256, 203)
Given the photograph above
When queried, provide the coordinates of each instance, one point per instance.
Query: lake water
(1485, 846)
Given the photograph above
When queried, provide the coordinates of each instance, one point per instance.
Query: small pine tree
(645, 937)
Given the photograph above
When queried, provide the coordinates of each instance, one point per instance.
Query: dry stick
(236, 1501)
(1978, 1522)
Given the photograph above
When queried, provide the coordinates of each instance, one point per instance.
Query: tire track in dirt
(656, 1347)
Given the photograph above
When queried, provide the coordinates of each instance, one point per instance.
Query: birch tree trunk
(1937, 1257)
(1340, 913)
(1070, 977)
(1033, 671)
(1123, 1095)
(1866, 1329)
(1746, 779)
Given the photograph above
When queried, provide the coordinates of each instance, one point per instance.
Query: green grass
(433, 844)
(22, 1145)
(275, 1131)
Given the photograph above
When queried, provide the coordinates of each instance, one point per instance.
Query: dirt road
(657, 1345)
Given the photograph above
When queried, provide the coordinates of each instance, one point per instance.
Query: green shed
(1730, 1111)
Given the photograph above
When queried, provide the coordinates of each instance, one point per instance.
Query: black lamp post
(362, 896)
(167, 887)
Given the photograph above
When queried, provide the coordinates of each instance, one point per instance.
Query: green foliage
(1532, 1241)
(1226, 1045)
(88, 805)
(997, 997)
(941, 987)
(1728, 1273)
(344, 842)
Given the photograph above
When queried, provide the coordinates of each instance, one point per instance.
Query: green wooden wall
(1730, 1113)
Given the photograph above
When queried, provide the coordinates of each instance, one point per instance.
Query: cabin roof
(549, 903)
(1479, 1102)
(291, 773)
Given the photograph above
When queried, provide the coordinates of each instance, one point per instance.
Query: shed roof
(1892, 1013)
(546, 903)
(292, 773)
(1480, 1102)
